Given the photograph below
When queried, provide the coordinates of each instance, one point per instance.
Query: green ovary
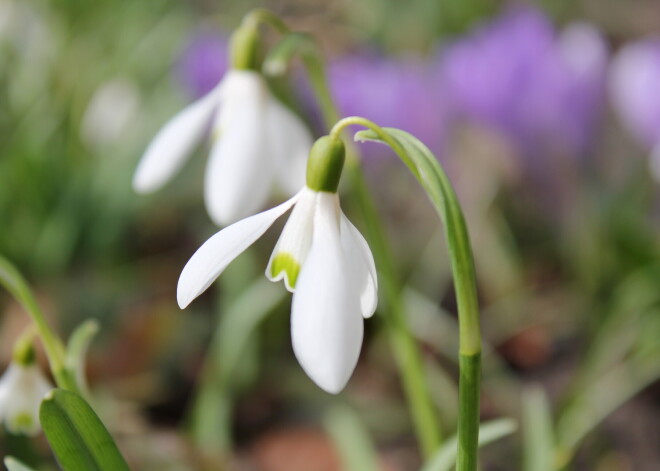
(285, 262)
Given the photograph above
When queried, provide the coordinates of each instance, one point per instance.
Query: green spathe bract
(325, 164)
(285, 262)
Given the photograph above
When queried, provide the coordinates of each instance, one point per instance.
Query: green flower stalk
(425, 167)
(17, 286)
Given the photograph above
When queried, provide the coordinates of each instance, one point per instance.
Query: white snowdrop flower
(322, 258)
(256, 141)
(22, 388)
(114, 107)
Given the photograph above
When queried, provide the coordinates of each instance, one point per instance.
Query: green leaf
(351, 439)
(13, 464)
(77, 436)
(445, 457)
(591, 406)
(539, 444)
(211, 414)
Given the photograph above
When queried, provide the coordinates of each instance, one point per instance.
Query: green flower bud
(244, 48)
(326, 161)
(24, 353)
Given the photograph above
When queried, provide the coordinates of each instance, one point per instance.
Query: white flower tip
(184, 292)
(329, 376)
(143, 183)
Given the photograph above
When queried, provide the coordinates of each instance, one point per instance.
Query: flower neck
(325, 164)
(244, 48)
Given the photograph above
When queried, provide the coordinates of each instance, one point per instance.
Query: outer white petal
(294, 243)
(326, 319)
(216, 253)
(239, 173)
(289, 142)
(174, 143)
(362, 267)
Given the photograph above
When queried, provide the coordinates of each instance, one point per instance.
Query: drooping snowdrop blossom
(634, 79)
(256, 141)
(22, 387)
(322, 258)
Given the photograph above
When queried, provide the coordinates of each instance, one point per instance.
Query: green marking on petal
(21, 423)
(285, 262)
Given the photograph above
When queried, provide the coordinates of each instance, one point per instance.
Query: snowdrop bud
(243, 47)
(326, 161)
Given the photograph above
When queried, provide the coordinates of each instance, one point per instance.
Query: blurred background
(547, 118)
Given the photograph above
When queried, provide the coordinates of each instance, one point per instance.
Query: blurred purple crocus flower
(203, 62)
(635, 92)
(542, 91)
(394, 92)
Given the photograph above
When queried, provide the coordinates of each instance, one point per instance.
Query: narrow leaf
(13, 464)
(445, 457)
(591, 406)
(351, 439)
(236, 329)
(77, 436)
(539, 442)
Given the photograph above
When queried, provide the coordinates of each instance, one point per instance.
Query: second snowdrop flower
(22, 387)
(257, 141)
(322, 258)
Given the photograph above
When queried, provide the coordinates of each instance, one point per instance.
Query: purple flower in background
(635, 91)
(541, 90)
(401, 93)
(203, 62)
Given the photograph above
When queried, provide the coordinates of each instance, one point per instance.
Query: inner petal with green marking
(285, 265)
(21, 422)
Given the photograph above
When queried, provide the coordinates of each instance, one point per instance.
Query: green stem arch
(427, 170)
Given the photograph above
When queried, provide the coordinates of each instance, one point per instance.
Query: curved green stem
(433, 179)
(264, 16)
(14, 282)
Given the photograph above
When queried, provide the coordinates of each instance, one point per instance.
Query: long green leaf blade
(77, 436)
(351, 439)
(539, 449)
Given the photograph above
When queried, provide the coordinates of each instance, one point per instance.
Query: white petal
(293, 245)
(326, 320)
(216, 253)
(23, 389)
(174, 143)
(239, 173)
(289, 144)
(362, 267)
